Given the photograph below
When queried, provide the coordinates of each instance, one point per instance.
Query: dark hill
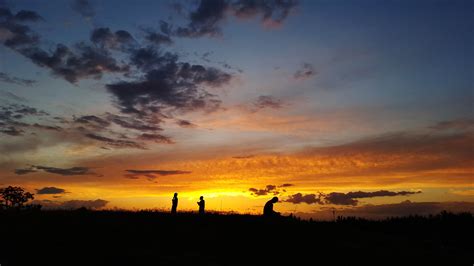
(85, 237)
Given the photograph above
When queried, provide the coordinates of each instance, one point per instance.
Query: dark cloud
(204, 21)
(307, 71)
(300, 198)
(286, 185)
(132, 123)
(158, 172)
(84, 61)
(185, 123)
(12, 131)
(339, 199)
(11, 96)
(460, 124)
(105, 38)
(208, 15)
(27, 16)
(84, 8)
(14, 33)
(273, 13)
(117, 143)
(157, 138)
(155, 84)
(21, 16)
(267, 101)
(72, 204)
(167, 85)
(349, 198)
(243, 156)
(24, 171)
(11, 116)
(46, 127)
(269, 189)
(92, 120)
(54, 170)
(157, 38)
(152, 174)
(4, 77)
(65, 171)
(50, 190)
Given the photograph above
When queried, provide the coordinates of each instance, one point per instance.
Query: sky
(360, 107)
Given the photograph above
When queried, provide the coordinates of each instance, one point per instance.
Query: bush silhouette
(14, 197)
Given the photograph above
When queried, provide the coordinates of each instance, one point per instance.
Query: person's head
(175, 194)
(275, 199)
(201, 198)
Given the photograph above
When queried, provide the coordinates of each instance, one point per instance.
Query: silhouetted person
(268, 209)
(201, 204)
(174, 203)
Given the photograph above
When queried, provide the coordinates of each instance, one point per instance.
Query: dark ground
(151, 238)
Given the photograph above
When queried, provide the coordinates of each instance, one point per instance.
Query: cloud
(84, 8)
(459, 124)
(12, 96)
(105, 38)
(267, 101)
(243, 156)
(117, 143)
(78, 170)
(93, 121)
(157, 138)
(24, 171)
(46, 127)
(72, 204)
(273, 13)
(300, 198)
(50, 190)
(152, 174)
(153, 84)
(349, 198)
(132, 123)
(72, 64)
(307, 71)
(208, 15)
(27, 16)
(4, 77)
(269, 189)
(167, 85)
(185, 123)
(157, 38)
(158, 172)
(12, 131)
(84, 61)
(11, 119)
(204, 20)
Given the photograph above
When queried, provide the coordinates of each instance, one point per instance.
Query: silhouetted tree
(14, 197)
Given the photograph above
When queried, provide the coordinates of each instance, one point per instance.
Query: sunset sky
(365, 107)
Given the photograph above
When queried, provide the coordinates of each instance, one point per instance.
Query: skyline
(356, 105)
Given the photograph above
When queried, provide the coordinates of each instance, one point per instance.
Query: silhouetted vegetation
(85, 237)
(14, 197)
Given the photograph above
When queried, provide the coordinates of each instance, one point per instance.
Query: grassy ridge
(85, 237)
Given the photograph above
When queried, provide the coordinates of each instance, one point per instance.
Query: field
(84, 237)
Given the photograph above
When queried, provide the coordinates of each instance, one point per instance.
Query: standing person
(268, 209)
(174, 203)
(201, 204)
